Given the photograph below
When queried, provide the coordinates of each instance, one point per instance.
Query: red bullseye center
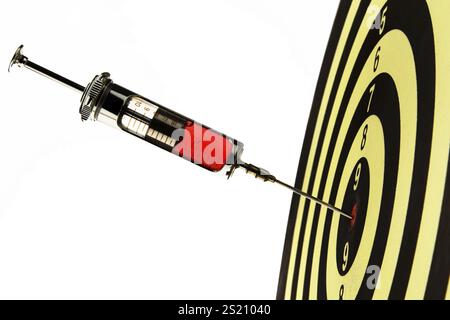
(354, 215)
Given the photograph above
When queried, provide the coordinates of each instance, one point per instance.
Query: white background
(89, 212)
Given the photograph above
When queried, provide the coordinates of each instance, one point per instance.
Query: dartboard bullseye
(377, 145)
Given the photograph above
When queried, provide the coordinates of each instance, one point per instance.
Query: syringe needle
(307, 196)
(266, 176)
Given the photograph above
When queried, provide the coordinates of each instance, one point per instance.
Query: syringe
(103, 100)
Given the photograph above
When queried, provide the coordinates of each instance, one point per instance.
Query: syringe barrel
(115, 105)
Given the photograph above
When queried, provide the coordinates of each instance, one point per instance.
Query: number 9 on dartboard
(377, 145)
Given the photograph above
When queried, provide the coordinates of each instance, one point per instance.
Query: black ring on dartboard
(414, 21)
(385, 106)
(355, 202)
(339, 23)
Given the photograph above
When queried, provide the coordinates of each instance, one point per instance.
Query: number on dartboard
(345, 256)
(341, 292)
(377, 60)
(371, 90)
(383, 21)
(357, 174)
(364, 138)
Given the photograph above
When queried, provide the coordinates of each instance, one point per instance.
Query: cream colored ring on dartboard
(403, 73)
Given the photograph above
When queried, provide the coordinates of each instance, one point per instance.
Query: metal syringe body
(107, 102)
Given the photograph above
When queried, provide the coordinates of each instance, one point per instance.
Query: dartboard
(377, 146)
